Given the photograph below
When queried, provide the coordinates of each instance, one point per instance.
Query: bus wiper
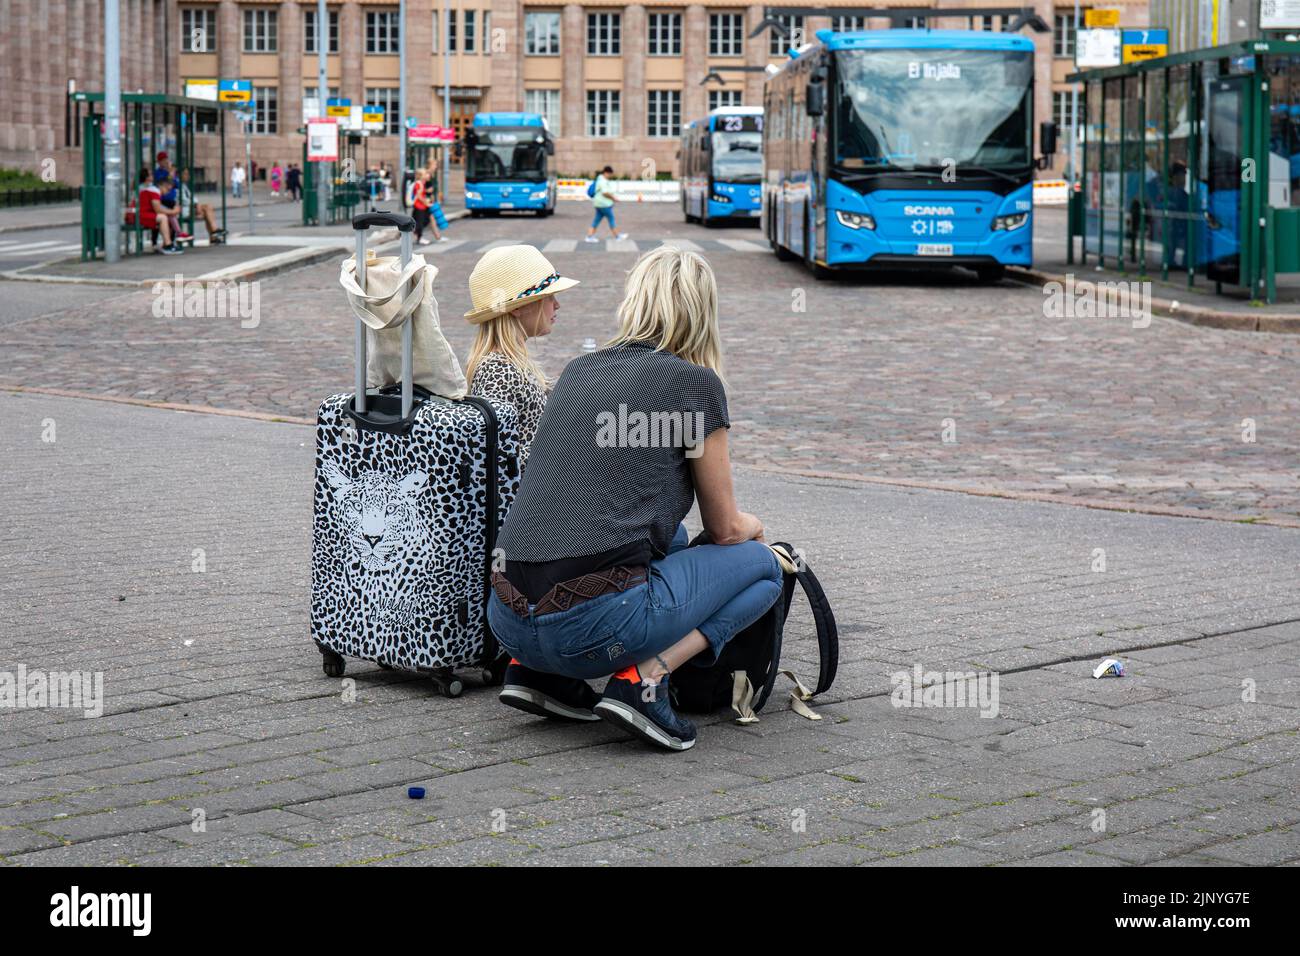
(854, 177)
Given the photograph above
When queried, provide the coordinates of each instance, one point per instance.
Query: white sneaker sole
(618, 713)
(535, 702)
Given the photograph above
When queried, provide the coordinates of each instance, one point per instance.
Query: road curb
(251, 269)
(1129, 505)
(165, 406)
(1117, 294)
(41, 225)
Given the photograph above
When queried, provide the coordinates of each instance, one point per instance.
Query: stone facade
(497, 75)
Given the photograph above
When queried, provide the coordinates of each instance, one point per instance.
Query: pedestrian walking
(293, 179)
(277, 174)
(237, 177)
(598, 579)
(423, 195)
(602, 201)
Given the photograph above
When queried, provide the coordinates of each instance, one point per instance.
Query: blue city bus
(893, 148)
(722, 165)
(508, 164)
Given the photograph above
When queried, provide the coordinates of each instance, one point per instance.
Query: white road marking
(742, 245)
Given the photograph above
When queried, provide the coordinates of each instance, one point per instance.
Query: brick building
(615, 79)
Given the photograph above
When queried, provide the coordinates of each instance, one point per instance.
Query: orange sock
(629, 674)
(515, 662)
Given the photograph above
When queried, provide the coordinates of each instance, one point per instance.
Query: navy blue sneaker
(548, 695)
(654, 720)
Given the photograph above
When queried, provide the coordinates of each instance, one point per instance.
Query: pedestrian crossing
(555, 246)
(20, 248)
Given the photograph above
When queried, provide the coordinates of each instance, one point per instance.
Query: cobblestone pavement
(216, 707)
(866, 380)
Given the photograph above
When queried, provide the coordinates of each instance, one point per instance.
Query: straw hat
(508, 277)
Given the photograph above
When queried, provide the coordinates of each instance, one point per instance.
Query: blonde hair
(505, 334)
(671, 301)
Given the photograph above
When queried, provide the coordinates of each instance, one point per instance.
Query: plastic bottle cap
(415, 793)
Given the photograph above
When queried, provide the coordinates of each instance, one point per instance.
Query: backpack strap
(828, 640)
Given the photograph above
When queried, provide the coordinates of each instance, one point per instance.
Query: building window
(383, 29)
(726, 34)
(664, 113)
(451, 30)
(603, 34)
(604, 116)
(779, 44)
(435, 32)
(1063, 36)
(471, 32)
(1061, 111)
(723, 99)
(542, 34)
(198, 30)
(849, 24)
(545, 102)
(987, 24)
(913, 23)
(309, 30)
(665, 30)
(266, 111)
(260, 30)
(487, 32)
(387, 98)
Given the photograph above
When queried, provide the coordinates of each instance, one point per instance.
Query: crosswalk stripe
(39, 249)
(620, 245)
(11, 242)
(742, 245)
(39, 245)
(438, 248)
(560, 245)
(497, 244)
(684, 244)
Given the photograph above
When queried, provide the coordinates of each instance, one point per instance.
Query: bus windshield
(506, 154)
(738, 157)
(926, 109)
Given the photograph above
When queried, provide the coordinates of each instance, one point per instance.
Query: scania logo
(928, 211)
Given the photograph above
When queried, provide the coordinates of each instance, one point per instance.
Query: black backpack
(757, 649)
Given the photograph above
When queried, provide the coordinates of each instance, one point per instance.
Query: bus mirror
(1047, 137)
(815, 103)
(550, 147)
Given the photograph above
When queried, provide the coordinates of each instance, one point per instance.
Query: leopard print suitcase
(403, 534)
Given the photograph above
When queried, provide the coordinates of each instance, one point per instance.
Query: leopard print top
(498, 378)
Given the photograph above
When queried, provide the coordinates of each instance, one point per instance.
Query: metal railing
(38, 196)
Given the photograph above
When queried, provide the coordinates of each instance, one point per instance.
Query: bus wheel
(476, 214)
(988, 275)
(782, 253)
(820, 272)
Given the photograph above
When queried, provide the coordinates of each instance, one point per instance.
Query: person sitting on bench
(200, 210)
(154, 216)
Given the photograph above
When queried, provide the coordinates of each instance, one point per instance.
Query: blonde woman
(598, 578)
(513, 291)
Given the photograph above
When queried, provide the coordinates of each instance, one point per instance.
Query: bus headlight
(855, 220)
(536, 196)
(718, 197)
(470, 194)
(1008, 223)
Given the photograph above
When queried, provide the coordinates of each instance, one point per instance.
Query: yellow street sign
(1101, 18)
(1148, 52)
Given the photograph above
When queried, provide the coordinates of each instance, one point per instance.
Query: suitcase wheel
(332, 664)
(447, 683)
(494, 675)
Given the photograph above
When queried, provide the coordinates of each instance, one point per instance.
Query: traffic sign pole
(322, 94)
(112, 131)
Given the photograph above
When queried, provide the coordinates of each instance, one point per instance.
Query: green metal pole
(1165, 184)
(221, 173)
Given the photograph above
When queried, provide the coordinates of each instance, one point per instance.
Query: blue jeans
(606, 212)
(720, 589)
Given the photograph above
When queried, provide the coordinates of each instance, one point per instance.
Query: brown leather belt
(569, 593)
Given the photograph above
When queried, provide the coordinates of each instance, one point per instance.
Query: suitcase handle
(364, 221)
(405, 226)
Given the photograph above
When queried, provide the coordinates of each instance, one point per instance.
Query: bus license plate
(506, 205)
(933, 249)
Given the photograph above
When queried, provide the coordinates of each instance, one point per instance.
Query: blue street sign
(235, 91)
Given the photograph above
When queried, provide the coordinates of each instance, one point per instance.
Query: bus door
(1222, 247)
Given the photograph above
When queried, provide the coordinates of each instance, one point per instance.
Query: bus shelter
(1191, 166)
(150, 123)
(351, 187)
